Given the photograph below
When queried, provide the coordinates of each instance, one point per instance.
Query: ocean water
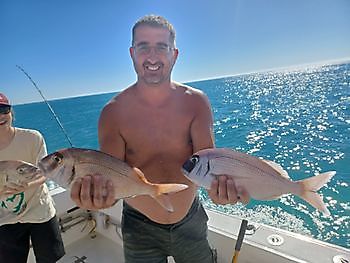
(299, 118)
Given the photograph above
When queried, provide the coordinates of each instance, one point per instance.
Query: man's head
(155, 21)
(153, 50)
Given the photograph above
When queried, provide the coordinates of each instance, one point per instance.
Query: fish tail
(313, 184)
(159, 191)
(161, 194)
(169, 188)
(164, 201)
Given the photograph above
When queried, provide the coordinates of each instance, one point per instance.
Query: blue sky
(79, 47)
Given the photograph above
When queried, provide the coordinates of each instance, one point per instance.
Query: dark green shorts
(146, 241)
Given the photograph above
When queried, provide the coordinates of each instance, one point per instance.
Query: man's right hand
(93, 192)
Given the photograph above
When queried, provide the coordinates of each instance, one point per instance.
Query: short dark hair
(154, 21)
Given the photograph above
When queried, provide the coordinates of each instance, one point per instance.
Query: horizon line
(289, 68)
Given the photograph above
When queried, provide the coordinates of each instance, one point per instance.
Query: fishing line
(48, 105)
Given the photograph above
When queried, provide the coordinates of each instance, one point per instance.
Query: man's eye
(162, 48)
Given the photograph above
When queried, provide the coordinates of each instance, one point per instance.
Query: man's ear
(176, 53)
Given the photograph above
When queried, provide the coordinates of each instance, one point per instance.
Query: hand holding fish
(93, 192)
(262, 179)
(18, 176)
(223, 191)
(13, 188)
(112, 178)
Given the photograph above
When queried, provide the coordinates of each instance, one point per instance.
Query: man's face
(153, 55)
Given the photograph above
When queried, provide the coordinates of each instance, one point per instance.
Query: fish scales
(252, 178)
(245, 160)
(262, 179)
(66, 165)
(235, 164)
(93, 158)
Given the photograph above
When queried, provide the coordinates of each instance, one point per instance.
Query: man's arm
(223, 190)
(97, 191)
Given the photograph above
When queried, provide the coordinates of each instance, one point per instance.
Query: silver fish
(262, 179)
(16, 174)
(67, 165)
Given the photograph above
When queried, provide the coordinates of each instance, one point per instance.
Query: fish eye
(194, 159)
(21, 169)
(190, 163)
(58, 157)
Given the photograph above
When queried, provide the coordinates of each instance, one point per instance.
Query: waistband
(130, 211)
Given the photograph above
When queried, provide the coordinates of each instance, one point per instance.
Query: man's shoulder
(119, 98)
(122, 95)
(118, 103)
(189, 90)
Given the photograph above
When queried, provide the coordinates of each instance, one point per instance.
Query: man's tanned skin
(155, 125)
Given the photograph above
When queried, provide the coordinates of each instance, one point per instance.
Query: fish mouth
(189, 165)
(36, 172)
(42, 168)
(56, 176)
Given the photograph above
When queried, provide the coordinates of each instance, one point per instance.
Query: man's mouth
(152, 67)
(3, 122)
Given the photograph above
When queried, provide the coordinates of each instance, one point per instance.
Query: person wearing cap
(26, 214)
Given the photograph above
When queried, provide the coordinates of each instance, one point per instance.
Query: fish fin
(162, 189)
(161, 194)
(139, 175)
(159, 189)
(316, 201)
(277, 167)
(164, 201)
(316, 182)
(311, 185)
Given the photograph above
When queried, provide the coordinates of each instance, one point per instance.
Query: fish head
(197, 169)
(17, 173)
(59, 167)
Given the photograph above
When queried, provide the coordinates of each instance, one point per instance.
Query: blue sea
(299, 118)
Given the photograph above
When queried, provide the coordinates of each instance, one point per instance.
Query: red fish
(67, 165)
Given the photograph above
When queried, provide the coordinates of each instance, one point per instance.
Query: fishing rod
(240, 238)
(48, 105)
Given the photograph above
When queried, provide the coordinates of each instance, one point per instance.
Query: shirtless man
(156, 124)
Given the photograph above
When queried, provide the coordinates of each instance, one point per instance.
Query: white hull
(104, 245)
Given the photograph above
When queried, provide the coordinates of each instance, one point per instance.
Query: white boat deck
(87, 244)
(99, 249)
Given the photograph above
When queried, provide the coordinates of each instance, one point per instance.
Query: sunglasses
(5, 109)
